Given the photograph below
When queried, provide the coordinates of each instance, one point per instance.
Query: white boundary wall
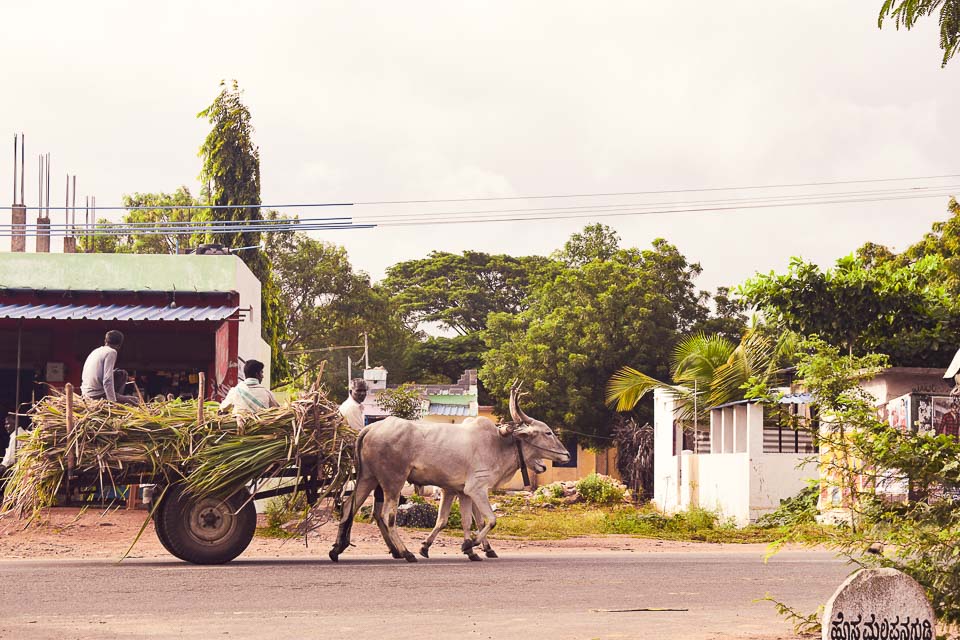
(737, 479)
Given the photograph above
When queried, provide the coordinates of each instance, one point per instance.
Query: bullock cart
(206, 468)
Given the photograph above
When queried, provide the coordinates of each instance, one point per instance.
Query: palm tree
(707, 371)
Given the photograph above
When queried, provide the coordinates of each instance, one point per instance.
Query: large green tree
(585, 323)
(331, 305)
(459, 291)
(231, 174)
(903, 311)
(161, 209)
(907, 13)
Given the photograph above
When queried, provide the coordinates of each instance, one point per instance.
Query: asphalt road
(524, 596)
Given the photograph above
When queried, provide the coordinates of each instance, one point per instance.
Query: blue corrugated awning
(113, 312)
(437, 409)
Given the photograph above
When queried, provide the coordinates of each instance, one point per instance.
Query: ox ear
(506, 429)
(523, 431)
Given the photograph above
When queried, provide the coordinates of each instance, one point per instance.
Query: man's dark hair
(252, 369)
(113, 338)
(358, 384)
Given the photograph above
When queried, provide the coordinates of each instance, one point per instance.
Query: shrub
(597, 489)
(800, 509)
(282, 509)
(455, 521)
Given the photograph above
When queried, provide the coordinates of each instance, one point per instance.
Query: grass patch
(551, 522)
(274, 532)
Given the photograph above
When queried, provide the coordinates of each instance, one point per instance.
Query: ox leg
(466, 522)
(391, 496)
(481, 501)
(487, 549)
(445, 504)
(360, 493)
(382, 523)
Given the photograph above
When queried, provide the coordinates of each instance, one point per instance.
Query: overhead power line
(305, 205)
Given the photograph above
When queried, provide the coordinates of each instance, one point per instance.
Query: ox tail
(358, 463)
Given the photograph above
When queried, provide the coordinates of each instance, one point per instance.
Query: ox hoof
(425, 551)
(490, 553)
(396, 554)
(467, 546)
(409, 557)
(334, 554)
(474, 557)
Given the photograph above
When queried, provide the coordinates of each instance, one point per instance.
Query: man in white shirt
(100, 377)
(352, 407)
(9, 456)
(249, 396)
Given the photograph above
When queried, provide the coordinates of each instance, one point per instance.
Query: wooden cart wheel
(205, 530)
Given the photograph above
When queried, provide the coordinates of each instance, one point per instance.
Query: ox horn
(515, 411)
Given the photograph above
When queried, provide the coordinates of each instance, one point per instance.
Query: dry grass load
(111, 445)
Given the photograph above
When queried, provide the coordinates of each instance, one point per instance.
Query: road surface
(547, 595)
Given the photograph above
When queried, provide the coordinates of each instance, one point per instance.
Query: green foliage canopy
(231, 173)
(879, 306)
(459, 291)
(907, 13)
(584, 324)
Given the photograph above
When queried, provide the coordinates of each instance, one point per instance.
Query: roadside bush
(417, 514)
(797, 510)
(598, 489)
(455, 522)
(282, 509)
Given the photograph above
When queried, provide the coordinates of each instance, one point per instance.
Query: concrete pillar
(43, 235)
(18, 216)
(69, 244)
(755, 428)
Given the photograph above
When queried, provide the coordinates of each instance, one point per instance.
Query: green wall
(130, 272)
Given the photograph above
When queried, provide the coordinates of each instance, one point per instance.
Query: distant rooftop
(120, 272)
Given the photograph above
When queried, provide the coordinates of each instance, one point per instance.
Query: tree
(907, 13)
(586, 323)
(707, 371)
(403, 401)
(595, 242)
(860, 453)
(99, 241)
(460, 291)
(161, 243)
(901, 310)
(729, 318)
(231, 171)
(328, 305)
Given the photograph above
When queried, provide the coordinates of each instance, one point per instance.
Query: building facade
(181, 315)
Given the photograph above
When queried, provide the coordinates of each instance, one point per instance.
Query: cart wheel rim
(210, 521)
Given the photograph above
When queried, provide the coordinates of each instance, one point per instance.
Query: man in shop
(352, 407)
(249, 396)
(10, 429)
(101, 379)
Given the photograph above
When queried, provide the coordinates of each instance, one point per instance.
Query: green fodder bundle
(111, 445)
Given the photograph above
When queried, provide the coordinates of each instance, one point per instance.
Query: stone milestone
(879, 604)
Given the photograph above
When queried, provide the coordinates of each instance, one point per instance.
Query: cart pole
(200, 391)
(71, 454)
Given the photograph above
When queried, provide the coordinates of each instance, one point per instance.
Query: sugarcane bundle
(169, 442)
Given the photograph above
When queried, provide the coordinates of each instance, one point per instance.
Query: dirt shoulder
(69, 533)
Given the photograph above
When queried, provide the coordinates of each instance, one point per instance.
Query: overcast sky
(372, 101)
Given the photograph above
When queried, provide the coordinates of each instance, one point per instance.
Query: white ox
(467, 459)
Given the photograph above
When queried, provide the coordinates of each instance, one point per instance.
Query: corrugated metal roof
(437, 409)
(113, 312)
(792, 398)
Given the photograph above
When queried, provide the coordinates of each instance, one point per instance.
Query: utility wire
(662, 191)
(304, 205)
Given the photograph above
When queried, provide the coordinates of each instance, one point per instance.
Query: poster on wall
(945, 414)
(898, 413)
